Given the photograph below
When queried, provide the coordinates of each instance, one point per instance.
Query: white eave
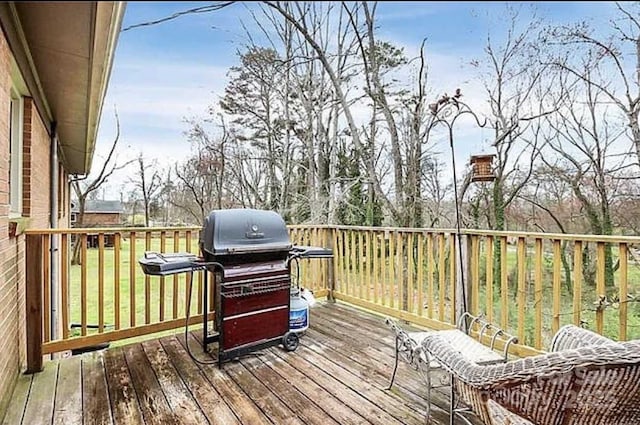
(66, 49)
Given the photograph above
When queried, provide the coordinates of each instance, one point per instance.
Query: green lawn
(125, 285)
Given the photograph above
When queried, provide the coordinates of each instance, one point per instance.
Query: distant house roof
(100, 207)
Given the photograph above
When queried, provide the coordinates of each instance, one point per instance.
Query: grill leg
(205, 311)
(395, 365)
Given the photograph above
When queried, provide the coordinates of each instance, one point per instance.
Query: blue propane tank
(299, 312)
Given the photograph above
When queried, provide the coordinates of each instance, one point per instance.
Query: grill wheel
(290, 341)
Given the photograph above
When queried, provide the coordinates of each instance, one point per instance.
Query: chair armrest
(530, 368)
(571, 336)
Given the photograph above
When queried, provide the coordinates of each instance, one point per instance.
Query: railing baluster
(410, 272)
(376, 267)
(132, 279)
(83, 284)
(453, 260)
(163, 248)
(441, 275)
(475, 274)
(188, 276)
(101, 282)
(522, 289)
(116, 280)
(577, 282)
(538, 294)
(489, 279)
(176, 248)
(623, 255)
(557, 287)
(368, 265)
(46, 267)
(64, 284)
(392, 269)
(430, 270)
(600, 285)
(504, 284)
(361, 268)
(147, 282)
(420, 277)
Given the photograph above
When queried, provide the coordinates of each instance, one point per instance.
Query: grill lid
(242, 231)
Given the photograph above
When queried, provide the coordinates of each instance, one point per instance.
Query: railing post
(330, 237)
(33, 299)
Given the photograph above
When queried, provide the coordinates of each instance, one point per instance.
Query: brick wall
(101, 220)
(36, 147)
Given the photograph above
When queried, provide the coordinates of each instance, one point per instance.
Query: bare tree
(148, 182)
(609, 70)
(83, 187)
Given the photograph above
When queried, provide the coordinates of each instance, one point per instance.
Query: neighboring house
(99, 213)
(55, 62)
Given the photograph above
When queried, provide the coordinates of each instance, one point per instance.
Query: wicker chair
(585, 379)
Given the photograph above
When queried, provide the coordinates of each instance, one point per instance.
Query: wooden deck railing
(529, 283)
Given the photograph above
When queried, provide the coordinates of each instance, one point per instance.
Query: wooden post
(33, 266)
(330, 237)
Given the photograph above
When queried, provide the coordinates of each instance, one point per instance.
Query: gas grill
(249, 253)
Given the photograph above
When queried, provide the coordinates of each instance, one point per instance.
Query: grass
(125, 287)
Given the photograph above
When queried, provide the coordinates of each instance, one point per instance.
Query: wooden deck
(335, 377)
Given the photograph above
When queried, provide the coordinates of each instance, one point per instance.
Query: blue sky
(165, 73)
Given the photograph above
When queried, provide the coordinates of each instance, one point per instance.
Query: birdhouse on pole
(482, 168)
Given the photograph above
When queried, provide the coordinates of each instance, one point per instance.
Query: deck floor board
(336, 376)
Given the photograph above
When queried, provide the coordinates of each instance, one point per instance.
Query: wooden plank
(16, 407)
(384, 294)
(522, 289)
(132, 279)
(368, 261)
(410, 273)
(68, 403)
(83, 284)
(600, 285)
(46, 279)
(351, 398)
(273, 395)
(56, 346)
(431, 262)
(101, 282)
(360, 383)
(504, 285)
(207, 396)
(489, 272)
(116, 280)
(441, 276)
(188, 276)
(392, 270)
(557, 288)
(153, 404)
(95, 393)
(577, 282)
(122, 394)
(453, 260)
(420, 300)
(39, 409)
(147, 283)
(33, 301)
(64, 284)
(163, 247)
(376, 267)
(176, 248)
(400, 272)
(475, 275)
(538, 294)
(623, 285)
(175, 390)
